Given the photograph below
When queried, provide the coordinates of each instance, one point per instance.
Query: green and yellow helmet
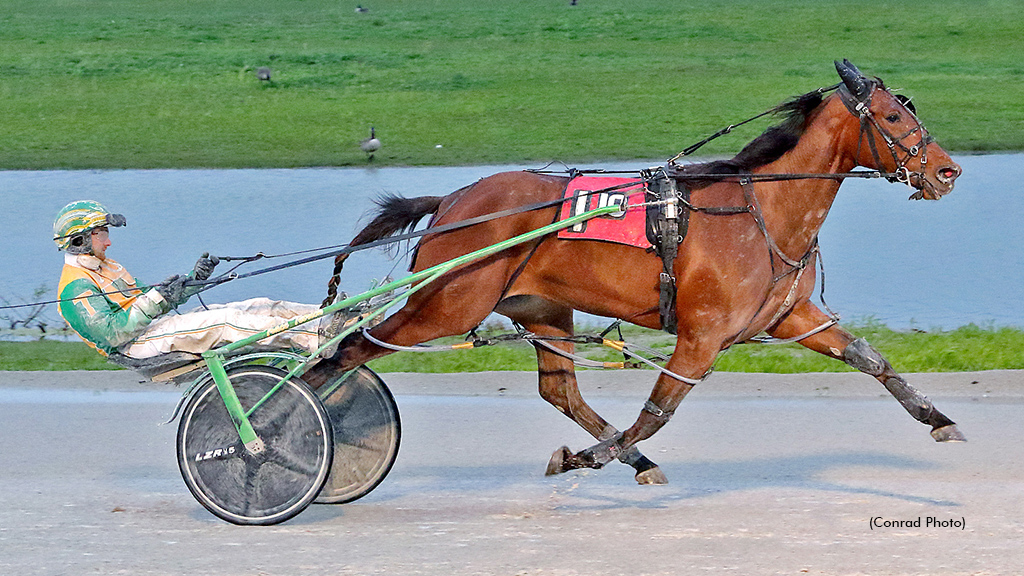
(76, 220)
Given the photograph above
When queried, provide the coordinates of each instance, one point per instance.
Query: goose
(371, 144)
(361, 10)
(263, 74)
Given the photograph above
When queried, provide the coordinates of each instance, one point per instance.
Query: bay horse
(737, 274)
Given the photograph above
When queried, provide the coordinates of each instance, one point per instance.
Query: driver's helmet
(76, 220)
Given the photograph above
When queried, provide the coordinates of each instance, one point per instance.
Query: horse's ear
(855, 82)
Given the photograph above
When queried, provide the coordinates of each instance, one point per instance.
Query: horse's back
(502, 191)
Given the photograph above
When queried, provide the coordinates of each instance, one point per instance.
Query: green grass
(969, 348)
(170, 83)
(50, 355)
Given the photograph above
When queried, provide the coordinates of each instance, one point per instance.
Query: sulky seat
(159, 368)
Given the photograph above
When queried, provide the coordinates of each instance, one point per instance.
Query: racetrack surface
(769, 474)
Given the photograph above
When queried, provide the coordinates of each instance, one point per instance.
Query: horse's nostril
(949, 173)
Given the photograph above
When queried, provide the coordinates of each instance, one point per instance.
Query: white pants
(200, 330)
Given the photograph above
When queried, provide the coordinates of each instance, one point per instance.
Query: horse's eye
(893, 118)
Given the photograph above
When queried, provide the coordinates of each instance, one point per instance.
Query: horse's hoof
(651, 476)
(948, 433)
(556, 465)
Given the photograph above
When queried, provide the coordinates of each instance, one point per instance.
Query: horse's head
(892, 139)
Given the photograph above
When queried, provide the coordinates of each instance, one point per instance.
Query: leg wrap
(603, 452)
(608, 432)
(913, 401)
(630, 456)
(863, 357)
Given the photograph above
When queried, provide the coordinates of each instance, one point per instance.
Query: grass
(969, 348)
(170, 83)
(50, 355)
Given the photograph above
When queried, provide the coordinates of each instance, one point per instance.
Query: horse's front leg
(837, 343)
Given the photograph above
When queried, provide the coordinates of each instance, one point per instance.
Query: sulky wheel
(367, 431)
(264, 488)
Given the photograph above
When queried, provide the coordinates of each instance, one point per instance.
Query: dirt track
(769, 474)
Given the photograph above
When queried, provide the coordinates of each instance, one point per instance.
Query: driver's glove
(173, 290)
(204, 266)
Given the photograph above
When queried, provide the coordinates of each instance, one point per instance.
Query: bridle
(860, 106)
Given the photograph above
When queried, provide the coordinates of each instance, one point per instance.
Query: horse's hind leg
(557, 385)
(840, 344)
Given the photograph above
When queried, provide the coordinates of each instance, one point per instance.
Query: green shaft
(227, 393)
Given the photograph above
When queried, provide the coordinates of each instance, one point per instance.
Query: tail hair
(394, 214)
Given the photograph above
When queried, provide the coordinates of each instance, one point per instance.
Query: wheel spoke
(273, 414)
(342, 398)
(252, 470)
(360, 443)
(285, 459)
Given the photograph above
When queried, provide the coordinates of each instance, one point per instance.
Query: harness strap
(625, 350)
(754, 207)
(670, 229)
(654, 410)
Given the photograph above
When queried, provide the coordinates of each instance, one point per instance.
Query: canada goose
(263, 74)
(361, 10)
(371, 144)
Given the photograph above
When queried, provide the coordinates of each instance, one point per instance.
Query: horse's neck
(794, 210)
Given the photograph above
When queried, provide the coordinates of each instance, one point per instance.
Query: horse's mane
(766, 148)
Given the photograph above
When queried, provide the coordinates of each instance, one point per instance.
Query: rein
(348, 249)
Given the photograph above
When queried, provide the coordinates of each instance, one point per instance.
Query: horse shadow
(704, 479)
(613, 489)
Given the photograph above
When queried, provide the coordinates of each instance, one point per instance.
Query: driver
(112, 313)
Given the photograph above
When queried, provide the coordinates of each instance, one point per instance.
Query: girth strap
(667, 226)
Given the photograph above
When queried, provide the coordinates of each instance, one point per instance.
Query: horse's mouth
(945, 179)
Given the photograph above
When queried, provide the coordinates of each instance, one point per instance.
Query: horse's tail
(394, 214)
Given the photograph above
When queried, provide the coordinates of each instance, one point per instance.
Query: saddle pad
(627, 227)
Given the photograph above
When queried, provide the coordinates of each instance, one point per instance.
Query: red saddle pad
(589, 192)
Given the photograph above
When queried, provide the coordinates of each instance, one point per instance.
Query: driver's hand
(204, 266)
(173, 290)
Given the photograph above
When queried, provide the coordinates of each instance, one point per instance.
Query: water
(924, 264)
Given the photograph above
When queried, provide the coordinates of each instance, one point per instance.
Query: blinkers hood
(854, 81)
(855, 90)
